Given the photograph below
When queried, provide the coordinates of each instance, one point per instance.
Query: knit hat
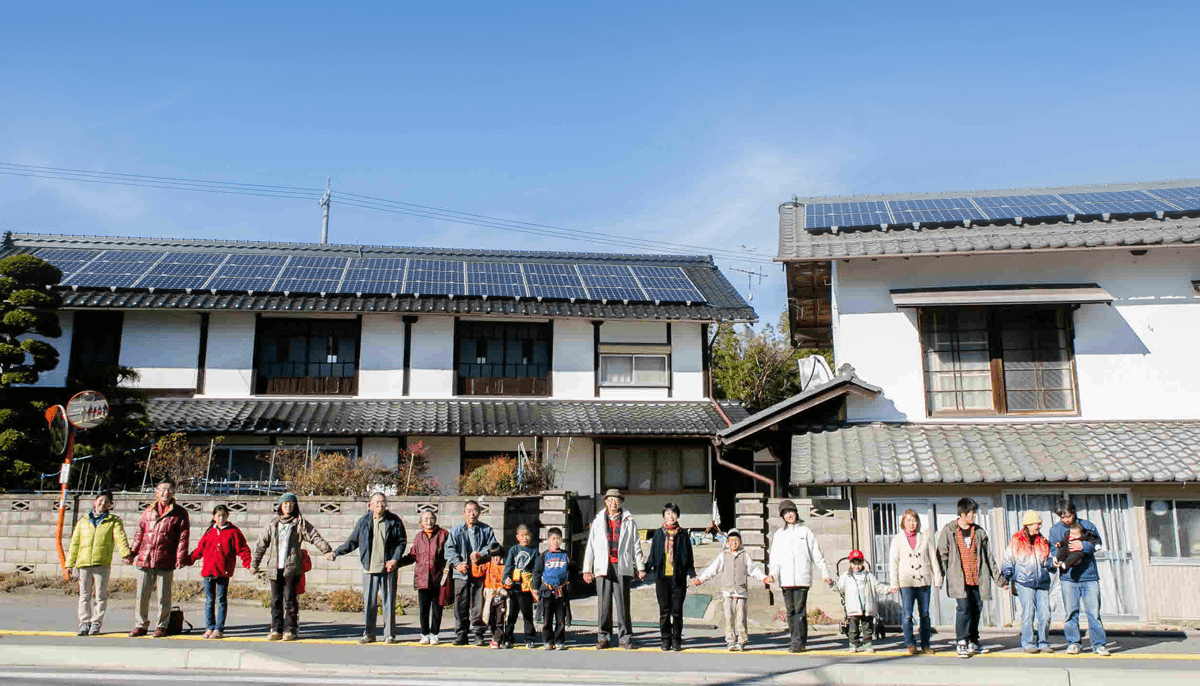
(1031, 517)
(785, 505)
(288, 497)
(856, 556)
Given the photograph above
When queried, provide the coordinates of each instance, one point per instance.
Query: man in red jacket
(160, 546)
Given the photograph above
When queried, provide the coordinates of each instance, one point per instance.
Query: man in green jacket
(90, 559)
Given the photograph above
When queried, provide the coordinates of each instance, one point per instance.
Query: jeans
(1035, 616)
(285, 607)
(375, 585)
(795, 598)
(918, 595)
(608, 592)
(1087, 594)
(93, 578)
(148, 579)
(520, 602)
(429, 607)
(670, 609)
(216, 590)
(966, 619)
(468, 607)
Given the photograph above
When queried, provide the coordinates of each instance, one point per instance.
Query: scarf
(669, 553)
(912, 539)
(614, 537)
(97, 518)
(969, 556)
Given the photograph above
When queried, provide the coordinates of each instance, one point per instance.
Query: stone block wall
(27, 524)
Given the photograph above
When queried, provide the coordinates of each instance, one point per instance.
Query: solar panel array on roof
(258, 272)
(819, 215)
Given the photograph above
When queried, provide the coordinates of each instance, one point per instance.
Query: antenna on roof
(324, 202)
(750, 274)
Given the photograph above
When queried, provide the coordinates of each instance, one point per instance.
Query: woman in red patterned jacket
(219, 547)
(429, 553)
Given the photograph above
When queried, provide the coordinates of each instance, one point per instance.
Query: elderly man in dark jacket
(380, 539)
(160, 546)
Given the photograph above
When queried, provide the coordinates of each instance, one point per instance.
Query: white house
(599, 361)
(1020, 346)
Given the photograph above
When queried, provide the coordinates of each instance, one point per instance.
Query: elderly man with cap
(793, 553)
(1027, 563)
(612, 557)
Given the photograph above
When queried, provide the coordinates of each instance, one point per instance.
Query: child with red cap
(859, 588)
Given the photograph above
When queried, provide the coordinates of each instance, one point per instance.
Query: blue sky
(684, 122)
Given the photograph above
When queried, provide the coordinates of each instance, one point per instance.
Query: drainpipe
(737, 468)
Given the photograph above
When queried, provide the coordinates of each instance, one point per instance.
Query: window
(655, 468)
(307, 356)
(634, 370)
(998, 361)
(1173, 530)
(95, 349)
(503, 358)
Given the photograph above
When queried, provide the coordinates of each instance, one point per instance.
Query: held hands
(641, 574)
(768, 579)
(389, 566)
(829, 582)
(696, 581)
(461, 568)
(127, 560)
(331, 556)
(588, 577)
(893, 589)
(535, 596)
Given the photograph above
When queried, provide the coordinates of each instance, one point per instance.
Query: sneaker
(677, 647)
(433, 639)
(461, 640)
(274, 636)
(141, 631)
(963, 651)
(218, 634)
(911, 650)
(868, 649)
(366, 639)
(548, 646)
(562, 646)
(85, 628)
(796, 649)
(477, 641)
(207, 634)
(530, 645)
(495, 645)
(627, 645)
(291, 636)
(976, 649)
(95, 629)
(390, 640)
(1031, 649)
(1073, 649)
(854, 649)
(1047, 649)
(927, 651)
(160, 633)
(739, 647)
(424, 640)
(1101, 651)
(732, 648)
(508, 645)
(601, 644)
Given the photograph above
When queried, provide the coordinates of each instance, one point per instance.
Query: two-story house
(1020, 346)
(599, 361)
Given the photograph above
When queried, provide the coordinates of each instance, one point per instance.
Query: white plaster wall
(574, 373)
(384, 450)
(230, 358)
(432, 372)
(633, 332)
(57, 377)
(577, 467)
(162, 346)
(618, 393)
(687, 361)
(1134, 360)
(381, 356)
(444, 459)
(501, 443)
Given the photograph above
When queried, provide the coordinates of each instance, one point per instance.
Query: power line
(365, 202)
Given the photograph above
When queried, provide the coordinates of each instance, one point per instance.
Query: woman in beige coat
(914, 567)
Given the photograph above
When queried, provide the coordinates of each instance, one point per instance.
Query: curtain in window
(957, 361)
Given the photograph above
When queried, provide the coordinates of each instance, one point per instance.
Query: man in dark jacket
(1081, 583)
(671, 563)
(969, 569)
(467, 542)
(380, 540)
(160, 546)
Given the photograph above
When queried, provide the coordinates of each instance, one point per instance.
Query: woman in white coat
(794, 552)
(914, 567)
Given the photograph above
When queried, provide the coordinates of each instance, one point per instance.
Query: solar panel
(434, 277)
(54, 255)
(242, 272)
(610, 282)
(308, 274)
(935, 210)
(262, 260)
(668, 284)
(1122, 202)
(114, 269)
(181, 271)
(1011, 206)
(495, 279)
(559, 281)
(847, 214)
(374, 275)
(1186, 198)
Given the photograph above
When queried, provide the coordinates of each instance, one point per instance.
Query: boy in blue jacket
(518, 579)
(550, 574)
(1081, 583)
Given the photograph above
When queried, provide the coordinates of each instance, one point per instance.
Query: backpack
(175, 622)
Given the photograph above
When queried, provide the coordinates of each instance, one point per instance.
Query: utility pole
(325, 220)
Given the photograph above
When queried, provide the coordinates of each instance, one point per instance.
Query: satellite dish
(60, 430)
(814, 371)
(87, 410)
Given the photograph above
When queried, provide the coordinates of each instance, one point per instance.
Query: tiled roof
(723, 302)
(998, 453)
(493, 417)
(796, 243)
(845, 382)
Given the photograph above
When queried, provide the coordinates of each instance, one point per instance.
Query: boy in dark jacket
(380, 540)
(671, 563)
(518, 579)
(219, 548)
(550, 573)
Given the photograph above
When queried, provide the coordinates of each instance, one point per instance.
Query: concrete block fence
(27, 524)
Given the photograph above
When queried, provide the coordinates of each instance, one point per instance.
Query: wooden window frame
(258, 378)
(633, 371)
(542, 387)
(995, 354)
(654, 448)
(1177, 560)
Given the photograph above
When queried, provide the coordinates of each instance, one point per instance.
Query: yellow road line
(716, 651)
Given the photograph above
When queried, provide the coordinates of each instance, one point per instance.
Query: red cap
(856, 556)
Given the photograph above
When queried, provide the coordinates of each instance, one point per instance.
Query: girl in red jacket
(218, 547)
